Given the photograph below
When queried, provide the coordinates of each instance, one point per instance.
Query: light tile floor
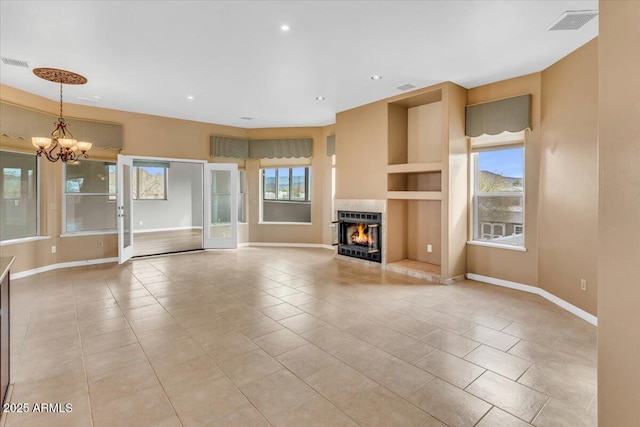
(291, 337)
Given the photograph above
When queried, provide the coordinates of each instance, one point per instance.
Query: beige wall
(520, 267)
(619, 210)
(147, 135)
(361, 152)
(568, 204)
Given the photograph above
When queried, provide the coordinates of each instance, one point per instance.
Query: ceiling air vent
(246, 118)
(572, 20)
(406, 87)
(16, 62)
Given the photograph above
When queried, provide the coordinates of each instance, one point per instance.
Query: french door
(124, 208)
(220, 222)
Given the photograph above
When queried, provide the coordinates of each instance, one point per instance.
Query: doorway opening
(167, 207)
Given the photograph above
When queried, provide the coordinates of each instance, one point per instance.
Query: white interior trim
(496, 245)
(50, 267)
(23, 240)
(288, 245)
(538, 291)
(152, 230)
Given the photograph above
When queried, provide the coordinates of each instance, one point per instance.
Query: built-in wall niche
(415, 130)
(425, 181)
(414, 236)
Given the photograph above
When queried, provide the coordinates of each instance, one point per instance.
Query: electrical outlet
(429, 248)
(583, 284)
(53, 249)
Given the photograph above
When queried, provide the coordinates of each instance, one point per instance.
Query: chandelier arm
(49, 153)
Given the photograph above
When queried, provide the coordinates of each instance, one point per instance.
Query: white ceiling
(148, 56)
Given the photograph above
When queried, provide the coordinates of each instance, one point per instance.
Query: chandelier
(69, 150)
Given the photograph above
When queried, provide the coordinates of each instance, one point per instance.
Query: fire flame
(359, 237)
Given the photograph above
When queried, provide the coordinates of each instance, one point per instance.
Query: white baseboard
(538, 291)
(153, 230)
(50, 267)
(288, 245)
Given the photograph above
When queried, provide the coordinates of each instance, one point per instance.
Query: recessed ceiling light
(376, 77)
(189, 97)
(284, 27)
(320, 98)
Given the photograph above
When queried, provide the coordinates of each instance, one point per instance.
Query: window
(19, 203)
(286, 194)
(287, 184)
(89, 197)
(498, 193)
(149, 183)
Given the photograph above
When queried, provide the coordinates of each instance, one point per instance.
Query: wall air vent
(572, 20)
(406, 87)
(16, 62)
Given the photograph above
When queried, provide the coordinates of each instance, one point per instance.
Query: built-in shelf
(415, 167)
(414, 195)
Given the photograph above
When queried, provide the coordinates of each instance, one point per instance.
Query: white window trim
(262, 200)
(497, 245)
(490, 143)
(23, 240)
(89, 233)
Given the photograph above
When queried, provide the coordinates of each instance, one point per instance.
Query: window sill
(284, 223)
(24, 240)
(497, 246)
(88, 233)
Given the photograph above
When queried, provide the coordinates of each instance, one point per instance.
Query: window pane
(269, 178)
(241, 178)
(90, 213)
(501, 171)
(283, 184)
(149, 183)
(499, 202)
(12, 183)
(89, 177)
(298, 184)
(19, 202)
(293, 186)
(94, 212)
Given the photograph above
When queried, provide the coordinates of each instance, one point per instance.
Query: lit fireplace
(358, 235)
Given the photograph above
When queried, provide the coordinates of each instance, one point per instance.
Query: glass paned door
(221, 201)
(124, 209)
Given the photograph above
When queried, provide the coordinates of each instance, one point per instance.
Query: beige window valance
(239, 148)
(23, 123)
(491, 118)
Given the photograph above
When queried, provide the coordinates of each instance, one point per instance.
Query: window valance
(491, 118)
(222, 146)
(23, 123)
(331, 145)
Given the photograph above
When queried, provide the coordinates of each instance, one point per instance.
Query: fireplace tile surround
(375, 206)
